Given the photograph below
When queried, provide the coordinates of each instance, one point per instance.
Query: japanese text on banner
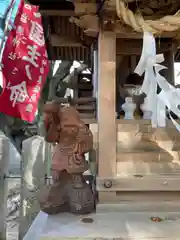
(25, 64)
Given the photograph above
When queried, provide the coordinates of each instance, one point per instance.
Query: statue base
(70, 193)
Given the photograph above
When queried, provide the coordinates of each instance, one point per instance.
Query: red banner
(25, 65)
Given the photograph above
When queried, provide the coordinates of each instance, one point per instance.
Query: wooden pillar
(169, 63)
(95, 73)
(106, 110)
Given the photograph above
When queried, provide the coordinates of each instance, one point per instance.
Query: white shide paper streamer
(169, 96)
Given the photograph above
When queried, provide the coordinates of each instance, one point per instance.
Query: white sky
(75, 65)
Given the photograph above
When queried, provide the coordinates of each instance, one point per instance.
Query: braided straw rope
(137, 22)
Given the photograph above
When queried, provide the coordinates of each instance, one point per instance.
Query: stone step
(137, 197)
(152, 156)
(147, 132)
(141, 138)
(148, 206)
(127, 144)
(148, 163)
(142, 125)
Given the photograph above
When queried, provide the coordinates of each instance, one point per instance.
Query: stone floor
(106, 225)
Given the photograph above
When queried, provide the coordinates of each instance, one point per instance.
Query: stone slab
(106, 225)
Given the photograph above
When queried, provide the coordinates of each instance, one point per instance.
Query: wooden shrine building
(135, 162)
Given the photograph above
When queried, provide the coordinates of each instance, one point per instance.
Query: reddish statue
(73, 139)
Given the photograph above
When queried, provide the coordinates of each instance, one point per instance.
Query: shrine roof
(128, 18)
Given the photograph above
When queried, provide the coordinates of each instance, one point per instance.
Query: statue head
(61, 122)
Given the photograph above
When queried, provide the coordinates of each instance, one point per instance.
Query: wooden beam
(146, 183)
(91, 25)
(128, 33)
(63, 13)
(123, 47)
(134, 46)
(106, 107)
(85, 8)
(64, 41)
(80, 9)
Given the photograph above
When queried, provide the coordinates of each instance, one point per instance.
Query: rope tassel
(136, 21)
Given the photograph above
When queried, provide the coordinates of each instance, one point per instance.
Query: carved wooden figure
(69, 191)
